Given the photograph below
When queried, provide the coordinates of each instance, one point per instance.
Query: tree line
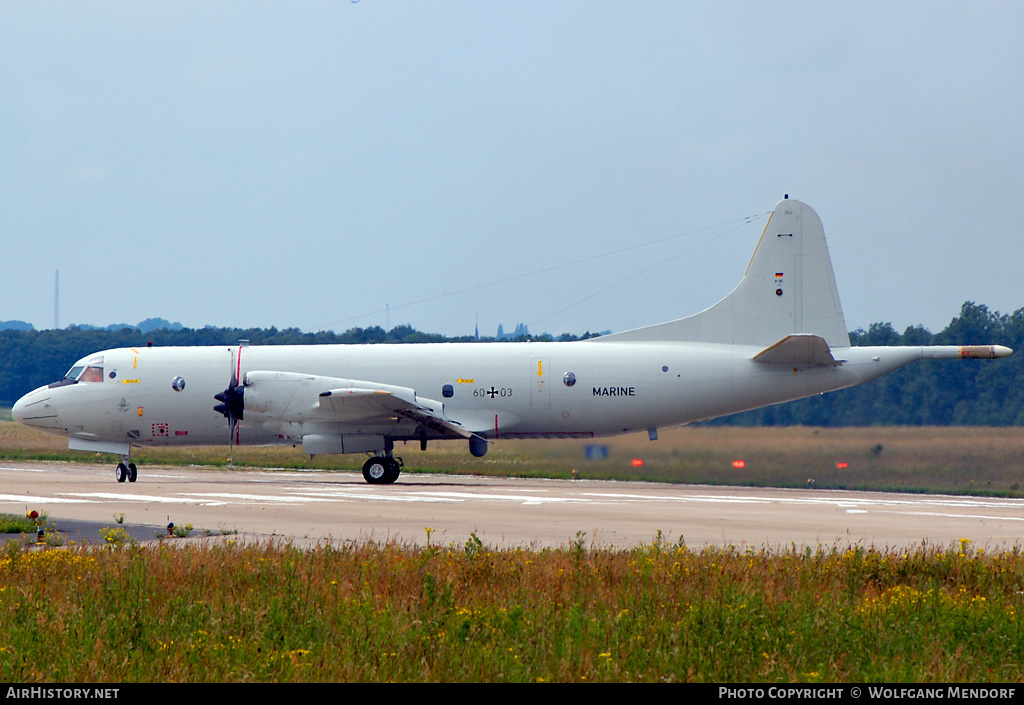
(33, 358)
(931, 393)
(924, 393)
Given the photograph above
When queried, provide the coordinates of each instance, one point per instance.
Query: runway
(314, 507)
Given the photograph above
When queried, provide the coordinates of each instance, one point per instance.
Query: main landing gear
(382, 470)
(127, 472)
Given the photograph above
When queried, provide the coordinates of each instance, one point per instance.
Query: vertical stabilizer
(789, 288)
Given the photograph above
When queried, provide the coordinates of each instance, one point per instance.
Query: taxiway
(312, 507)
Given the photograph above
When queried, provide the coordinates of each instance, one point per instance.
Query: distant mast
(56, 300)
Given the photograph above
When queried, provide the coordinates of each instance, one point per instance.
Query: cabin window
(447, 391)
(569, 379)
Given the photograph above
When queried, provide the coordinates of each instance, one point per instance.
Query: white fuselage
(495, 390)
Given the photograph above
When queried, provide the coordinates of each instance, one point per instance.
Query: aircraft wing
(357, 402)
(800, 350)
(290, 397)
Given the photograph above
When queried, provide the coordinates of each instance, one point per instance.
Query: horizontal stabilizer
(799, 350)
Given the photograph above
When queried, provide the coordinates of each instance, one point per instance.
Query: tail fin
(789, 287)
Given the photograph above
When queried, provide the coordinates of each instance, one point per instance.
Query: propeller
(232, 406)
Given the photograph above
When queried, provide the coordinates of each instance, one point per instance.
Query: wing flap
(350, 402)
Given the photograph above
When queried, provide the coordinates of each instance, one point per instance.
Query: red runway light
(637, 462)
(739, 464)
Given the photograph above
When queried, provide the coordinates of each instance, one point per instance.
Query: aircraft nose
(37, 409)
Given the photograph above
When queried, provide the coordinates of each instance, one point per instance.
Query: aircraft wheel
(381, 470)
(121, 472)
(133, 472)
(394, 470)
(375, 471)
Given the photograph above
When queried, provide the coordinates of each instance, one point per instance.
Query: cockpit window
(81, 373)
(70, 378)
(91, 374)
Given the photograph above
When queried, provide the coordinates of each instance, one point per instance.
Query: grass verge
(385, 612)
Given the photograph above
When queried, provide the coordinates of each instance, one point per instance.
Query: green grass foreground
(383, 612)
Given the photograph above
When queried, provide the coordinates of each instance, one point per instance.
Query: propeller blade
(232, 406)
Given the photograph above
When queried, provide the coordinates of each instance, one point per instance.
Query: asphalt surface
(307, 508)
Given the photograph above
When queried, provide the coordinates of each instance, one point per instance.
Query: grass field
(382, 612)
(958, 460)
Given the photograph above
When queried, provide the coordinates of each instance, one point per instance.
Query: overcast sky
(570, 165)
